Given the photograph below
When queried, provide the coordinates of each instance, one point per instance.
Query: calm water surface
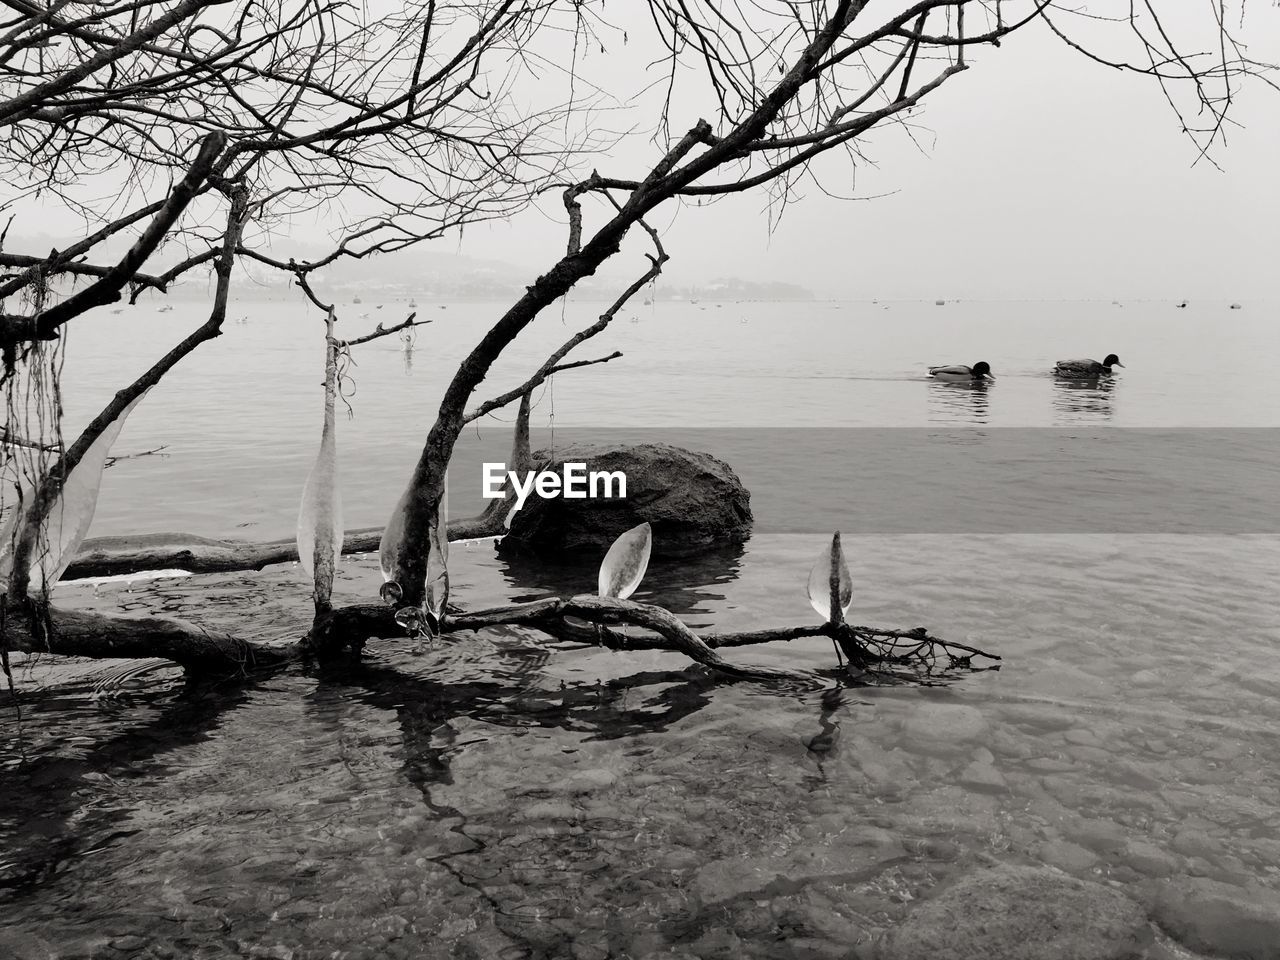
(240, 417)
(499, 797)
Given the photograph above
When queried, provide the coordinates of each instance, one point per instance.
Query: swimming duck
(1086, 369)
(959, 373)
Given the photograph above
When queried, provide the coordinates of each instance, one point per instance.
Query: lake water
(500, 797)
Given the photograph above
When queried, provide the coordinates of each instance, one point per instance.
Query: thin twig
(112, 461)
(381, 331)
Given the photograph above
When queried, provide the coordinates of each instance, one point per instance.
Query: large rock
(693, 501)
(1219, 918)
(1021, 913)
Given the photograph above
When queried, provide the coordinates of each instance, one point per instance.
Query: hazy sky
(1041, 175)
(1047, 175)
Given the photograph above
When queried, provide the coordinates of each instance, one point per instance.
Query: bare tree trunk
(427, 484)
(664, 181)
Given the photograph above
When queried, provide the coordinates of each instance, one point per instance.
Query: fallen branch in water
(30, 627)
(868, 648)
(587, 620)
(120, 556)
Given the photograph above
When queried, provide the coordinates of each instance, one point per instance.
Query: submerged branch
(585, 619)
(33, 628)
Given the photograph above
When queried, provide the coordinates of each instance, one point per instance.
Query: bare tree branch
(50, 487)
(382, 331)
(106, 289)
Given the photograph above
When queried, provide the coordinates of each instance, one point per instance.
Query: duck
(1086, 369)
(959, 373)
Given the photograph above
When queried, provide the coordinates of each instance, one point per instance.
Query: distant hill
(735, 288)
(428, 273)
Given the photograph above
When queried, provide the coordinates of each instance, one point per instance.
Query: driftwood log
(31, 628)
(119, 556)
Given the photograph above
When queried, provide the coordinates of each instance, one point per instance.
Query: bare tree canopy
(401, 124)
(220, 124)
(793, 81)
(405, 124)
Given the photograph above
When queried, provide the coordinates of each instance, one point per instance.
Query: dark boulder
(693, 501)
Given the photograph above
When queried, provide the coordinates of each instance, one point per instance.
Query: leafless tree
(793, 81)
(254, 118)
(406, 119)
(210, 120)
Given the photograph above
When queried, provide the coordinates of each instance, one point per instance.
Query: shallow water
(241, 416)
(501, 797)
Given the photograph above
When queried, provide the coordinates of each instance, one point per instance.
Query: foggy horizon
(1036, 175)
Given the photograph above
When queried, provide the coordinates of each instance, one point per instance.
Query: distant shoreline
(373, 299)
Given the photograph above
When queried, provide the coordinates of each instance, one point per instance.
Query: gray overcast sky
(1041, 175)
(1045, 176)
